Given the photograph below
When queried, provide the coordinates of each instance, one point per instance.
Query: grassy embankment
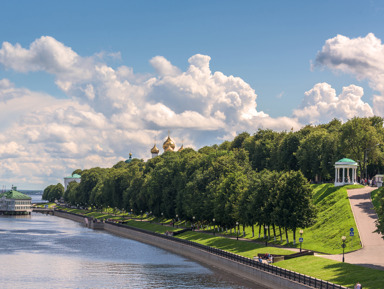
(334, 220)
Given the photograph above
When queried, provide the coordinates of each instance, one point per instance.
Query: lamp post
(161, 222)
(301, 238)
(193, 226)
(266, 239)
(214, 229)
(177, 218)
(343, 245)
(237, 233)
(141, 213)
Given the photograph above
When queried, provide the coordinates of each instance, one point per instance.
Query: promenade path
(372, 253)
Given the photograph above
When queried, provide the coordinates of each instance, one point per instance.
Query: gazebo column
(343, 176)
(336, 175)
(348, 178)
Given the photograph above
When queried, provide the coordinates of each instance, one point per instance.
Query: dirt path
(372, 253)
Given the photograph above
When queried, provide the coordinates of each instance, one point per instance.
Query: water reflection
(43, 251)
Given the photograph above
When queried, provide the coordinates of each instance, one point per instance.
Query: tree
(360, 141)
(53, 192)
(294, 207)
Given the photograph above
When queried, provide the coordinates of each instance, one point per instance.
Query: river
(44, 251)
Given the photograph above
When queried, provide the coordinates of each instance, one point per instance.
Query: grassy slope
(243, 248)
(335, 218)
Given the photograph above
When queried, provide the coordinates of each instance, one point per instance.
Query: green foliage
(53, 192)
(378, 203)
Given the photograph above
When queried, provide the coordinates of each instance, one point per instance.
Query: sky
(85, 83)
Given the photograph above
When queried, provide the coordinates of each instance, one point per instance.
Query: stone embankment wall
(236, 269)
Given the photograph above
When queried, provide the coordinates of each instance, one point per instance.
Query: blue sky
(82, 83)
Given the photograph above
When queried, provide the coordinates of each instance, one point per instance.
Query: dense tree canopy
(258, 179)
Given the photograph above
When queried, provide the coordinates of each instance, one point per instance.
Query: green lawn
(243, 248)
(334, 220)
(336, 272)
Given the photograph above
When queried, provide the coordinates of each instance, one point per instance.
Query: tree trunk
(294, 236)
(274, 232)
(286, 235)
(253, 231)
(281, 235)
(259, 231)
(243, 230)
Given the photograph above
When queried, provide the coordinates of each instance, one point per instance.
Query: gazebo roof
(346, 161)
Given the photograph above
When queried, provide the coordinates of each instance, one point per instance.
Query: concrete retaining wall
(231, 267)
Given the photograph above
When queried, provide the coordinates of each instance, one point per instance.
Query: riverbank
(244, 272)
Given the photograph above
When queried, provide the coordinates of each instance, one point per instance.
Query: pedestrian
(358, 286)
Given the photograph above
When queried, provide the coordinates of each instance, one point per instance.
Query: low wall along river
(236, 269)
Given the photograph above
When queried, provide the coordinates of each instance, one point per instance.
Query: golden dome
(155, 150)
(169, 145)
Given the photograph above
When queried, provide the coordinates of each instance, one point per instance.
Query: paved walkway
(372, 253)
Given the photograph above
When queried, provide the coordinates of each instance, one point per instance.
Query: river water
(44, 251)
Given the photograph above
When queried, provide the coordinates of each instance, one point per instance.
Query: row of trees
(314, 149)
(201, 186)
(254, 179)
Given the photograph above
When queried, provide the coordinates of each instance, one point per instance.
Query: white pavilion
(345, 172)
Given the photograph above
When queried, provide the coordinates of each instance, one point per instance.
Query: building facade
(15, 203)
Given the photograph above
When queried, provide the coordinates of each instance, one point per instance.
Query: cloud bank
(110, 112)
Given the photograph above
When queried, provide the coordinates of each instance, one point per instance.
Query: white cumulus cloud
(321, 104)
(362, 57)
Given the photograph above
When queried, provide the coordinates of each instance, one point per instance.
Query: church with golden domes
(168, 145)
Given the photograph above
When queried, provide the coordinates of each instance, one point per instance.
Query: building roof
(169, 144)
(129, 159)
(155, 150)
(346, 161)
(74, 176)
(15, 195)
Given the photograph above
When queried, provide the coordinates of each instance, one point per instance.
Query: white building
(345, 172)
(15, 203)
(72, 178)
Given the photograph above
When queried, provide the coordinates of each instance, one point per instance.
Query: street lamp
(161, 218)
(237, 233)
(141, 213)
(177, 218)
(214, 229)
(266, 239)
(301, 238)
(193, 226)
(343, 245)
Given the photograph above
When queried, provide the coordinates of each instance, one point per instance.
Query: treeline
(200, 186)
(260, 179)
